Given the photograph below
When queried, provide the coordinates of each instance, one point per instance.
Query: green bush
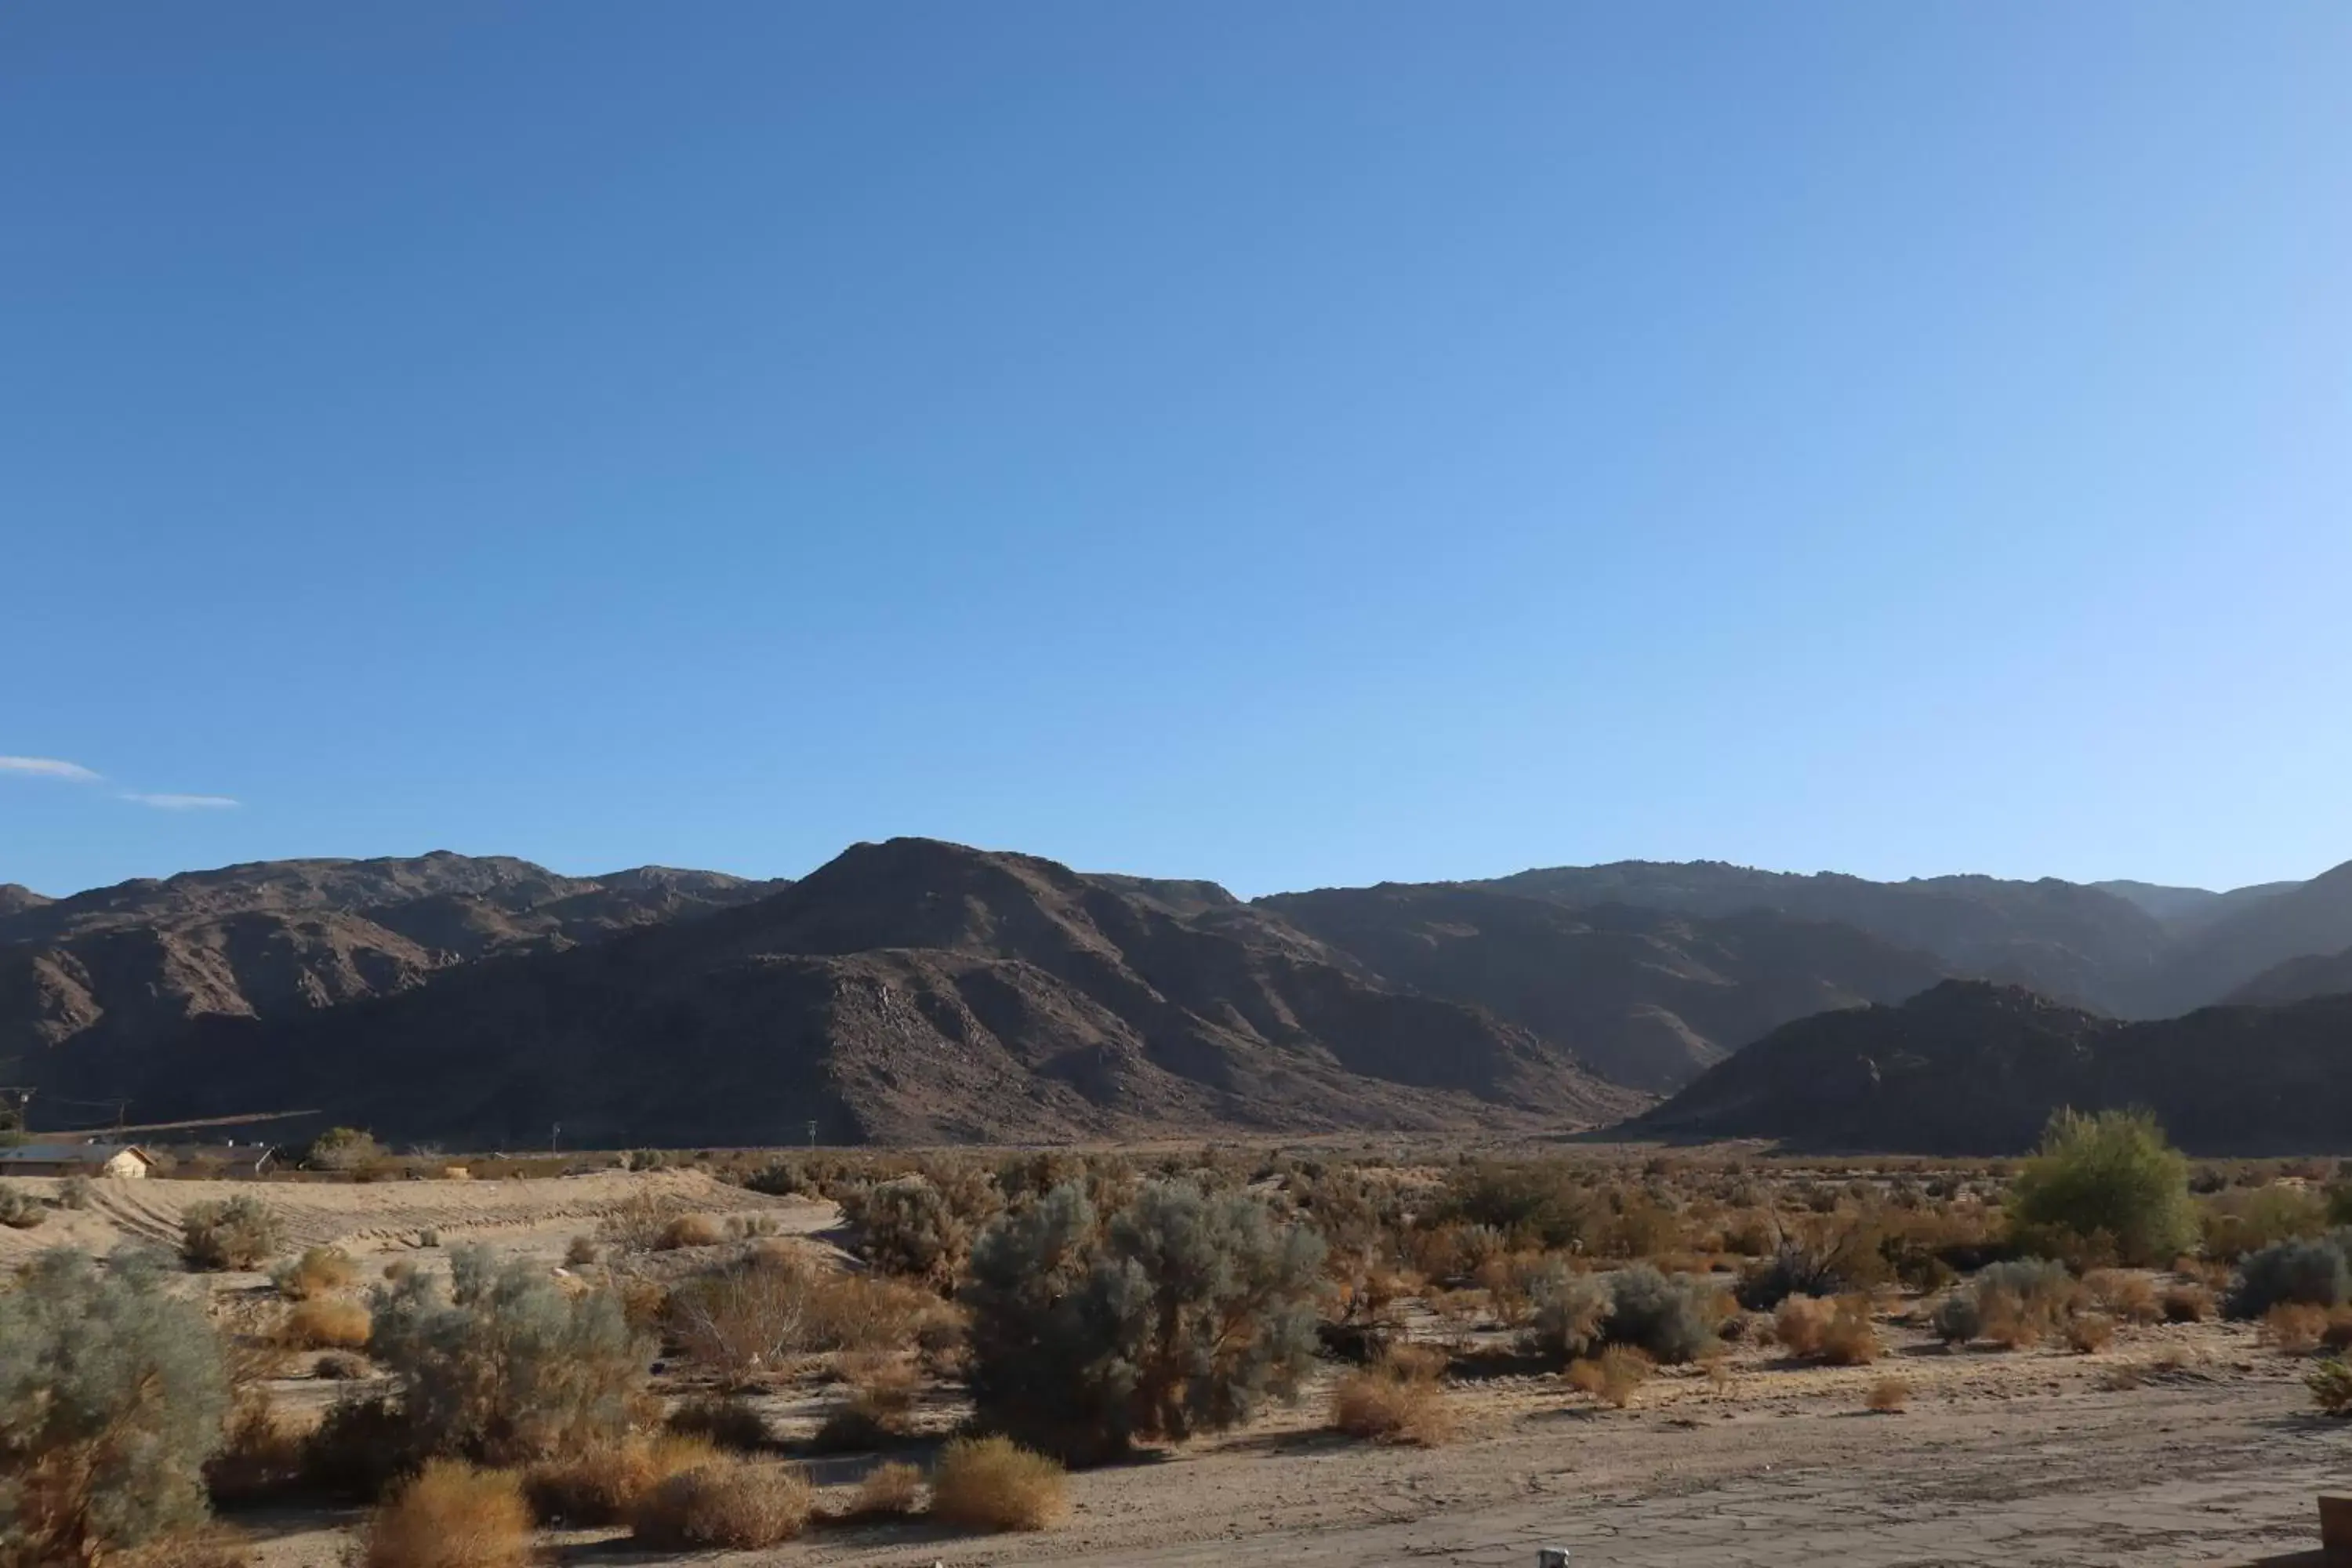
(238, 1233)
(112, 1397)
(2248, 1219)
(1534, 1203)
(2109, 1178)
(2314, 1273)
(1671, 1318)
(503, 1368)
(1183, 1312)
(2331, 1387)
(907, 1226)
(343, 1149)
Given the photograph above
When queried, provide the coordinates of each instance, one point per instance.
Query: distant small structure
(121, 1160)
(232, 1162)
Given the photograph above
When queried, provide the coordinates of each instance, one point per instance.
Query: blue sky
(1291, 445)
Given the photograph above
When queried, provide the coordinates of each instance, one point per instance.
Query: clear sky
(1289, 444)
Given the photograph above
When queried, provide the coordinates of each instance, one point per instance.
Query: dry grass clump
(2088, 1333)
(326, 1323)
(452, 1516)
(1613, 1375)
(603, 1483)
(2125, 1296)
(888, 1491)
(1799, 1324)
(2189, 1303)
(2295, 1328)
(1396, 1399)
(993, 1483)
(1839, 1332)
(319, 1270)
(1888, 1395)
(689, 1230)
(731, 1503)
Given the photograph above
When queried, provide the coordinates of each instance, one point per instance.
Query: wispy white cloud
(48, 768)
(180, 802)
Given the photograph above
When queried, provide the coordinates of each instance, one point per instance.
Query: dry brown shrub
(887, 1491)
(261, 1454)
(1888, 1395)
(1397, 1399)
(724, 1422)
(2010, 1320)
(689, 1230)
(2123, 1295)
(993, 1483)
(1848, 1339)
(1799, 1322)
(867, 1312)
(882, 1386)
(2338, 1335)
(726, 1503)
(1509, 1281)
(603, 1483)
(326, 1323)
(583, 1252)
(2088, 1333)
(2295, 1328)
(319, 1270)
(2188, 1304)
(1613, 1375)
(452, 1516)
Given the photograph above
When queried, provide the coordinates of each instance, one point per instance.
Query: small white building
(126, 1160)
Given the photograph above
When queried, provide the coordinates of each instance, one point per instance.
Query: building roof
(70, 1154)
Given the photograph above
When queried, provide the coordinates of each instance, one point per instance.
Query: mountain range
(922, 991)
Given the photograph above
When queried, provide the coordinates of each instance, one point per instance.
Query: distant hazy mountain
(1970, 1068)
(2184, 911)
(2307, 919)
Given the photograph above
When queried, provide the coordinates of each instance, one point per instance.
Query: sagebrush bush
(1567, 1313)
(732, 1503)
(20, 1210)
(603, 1482)
(2247, 1219)
(112, 1398)
(2109, 1176)
(1396, 1399)
(1671, 1318)
(451, 1515)
(1184, 1312)
(1612, 1376)
(1957, 1319)
(2315, 1273)
(993, 1483)
(504, 1367)
(240, 1233)
(319, 1270)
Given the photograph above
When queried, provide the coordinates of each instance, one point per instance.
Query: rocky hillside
(908, 990)
(1974, 1069)
(2310, 919)
(1649, 998)
(132, 963)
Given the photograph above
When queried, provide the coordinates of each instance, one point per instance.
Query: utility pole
(554, 1134)
(811, 1126)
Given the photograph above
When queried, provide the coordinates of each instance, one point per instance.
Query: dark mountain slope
(135, 960)
(908, 990)
(2059, 938)
(1974, 1069)
(2186, 910)
(1649, 998)
(2318, 974)
(2313, 918)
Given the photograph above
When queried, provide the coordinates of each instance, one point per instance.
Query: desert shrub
(603, 1482)
(2314, 1273)
(1184, 1312)
(1848, 1339)
(2088, 1333)
(2295, 1328)
(748, 1319)
(583, 1252)
(888, 1491)
(503, 1368)
(1612, 1376)
(1888, 1395)
(111, 1399)
(2023, 1301)
(343, 1149)
(1397, 1399)
(2125, 1296)
(339, 1366)
(689, 1230)
(326, 1322)
(260, 1455)
(2339, 1201)
(240, 1233)
(993, 1483)
(733, 1503)
(20, 1210)
(2109, 1176)
(428, 1235)
(882, 1387)
(2187, 1304)
(721, 1421)
(2331, 1387)
(865, 1312)
(1672, 1318)
(1957, 1319)
(451, 1515)
(1533, 1203)
(1512, 1280)
(1799, 1324)
(1568, 1313)
(77, 1191)
(2247, 1219)
(319, 1270)
(907, 1228)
